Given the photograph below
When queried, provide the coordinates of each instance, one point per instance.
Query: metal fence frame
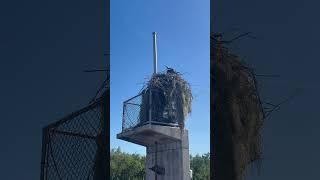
(94, 111)
(138, 123)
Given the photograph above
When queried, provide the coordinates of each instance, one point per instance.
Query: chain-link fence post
(123, 117)
(105, 114)
(150, 106)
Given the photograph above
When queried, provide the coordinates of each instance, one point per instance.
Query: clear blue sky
(183, 43)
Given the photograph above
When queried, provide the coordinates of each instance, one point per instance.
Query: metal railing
(143, 109)
(133, 114)
(71, 147)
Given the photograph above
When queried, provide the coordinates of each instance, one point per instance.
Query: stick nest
(238, 112)
(171, 97)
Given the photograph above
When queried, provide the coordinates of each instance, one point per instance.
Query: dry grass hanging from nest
(239, 111)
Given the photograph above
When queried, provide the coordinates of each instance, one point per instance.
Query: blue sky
(183, 44)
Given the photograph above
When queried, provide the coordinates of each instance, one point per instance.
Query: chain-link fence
(145, 108)
(71, 146)
(134, 112)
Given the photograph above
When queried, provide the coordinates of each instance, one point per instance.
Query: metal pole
(123, 118)
(44, 154)
(150, 105)
(155, 69)
(102, 166)
(156, 159)
(155, 53)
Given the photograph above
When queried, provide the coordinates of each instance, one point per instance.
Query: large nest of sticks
(171, 98)
(238, 114)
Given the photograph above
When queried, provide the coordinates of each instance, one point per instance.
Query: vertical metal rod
(156, 161)
(44, 154)
(155, 69)
(123, 118)
(105, 135)
(155, 53)
(150, 105)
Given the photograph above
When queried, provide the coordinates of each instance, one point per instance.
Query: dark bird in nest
(171, 70)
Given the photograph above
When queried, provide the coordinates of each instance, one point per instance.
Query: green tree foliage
(126, 166)
(200, 166)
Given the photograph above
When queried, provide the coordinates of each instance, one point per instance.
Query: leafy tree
(126, 166)
(200, 166)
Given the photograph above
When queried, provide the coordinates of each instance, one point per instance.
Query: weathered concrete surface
(172, 150)
(148, 134)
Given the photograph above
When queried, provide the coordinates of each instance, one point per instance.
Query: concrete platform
(166, 147)
(148, 134)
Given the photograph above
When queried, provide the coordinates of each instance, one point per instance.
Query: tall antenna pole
(155, 53)
(155, 62)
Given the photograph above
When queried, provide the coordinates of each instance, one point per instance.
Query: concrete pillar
(172, 150)
(172, 156)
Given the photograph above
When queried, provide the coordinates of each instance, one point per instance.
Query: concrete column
(172, 150)
(173, 156)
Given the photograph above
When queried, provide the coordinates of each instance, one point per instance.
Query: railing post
(123, 119)
(150, 105)
(105, 113)
(44, 154)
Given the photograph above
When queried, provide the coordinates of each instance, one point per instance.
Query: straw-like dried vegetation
(238, 113)
(171, 98)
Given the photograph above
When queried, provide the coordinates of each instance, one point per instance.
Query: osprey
(170, 70)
